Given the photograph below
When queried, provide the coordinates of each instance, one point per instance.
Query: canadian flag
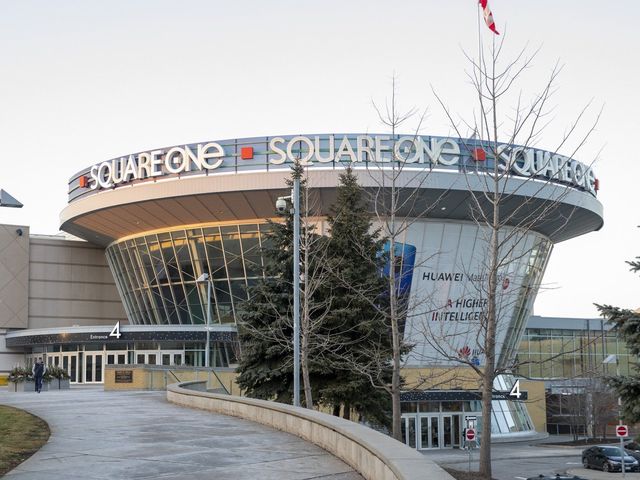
(488, 16)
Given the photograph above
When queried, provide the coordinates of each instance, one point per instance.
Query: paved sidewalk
(126, 435)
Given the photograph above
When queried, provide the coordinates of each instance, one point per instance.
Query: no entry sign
(622, 431)
(470, 434)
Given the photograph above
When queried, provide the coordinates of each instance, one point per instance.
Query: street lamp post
(296, 291)
(281, 207)
(204, 278)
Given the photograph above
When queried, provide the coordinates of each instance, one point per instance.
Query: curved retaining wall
(374, 455)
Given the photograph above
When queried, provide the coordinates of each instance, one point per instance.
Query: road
(515, 461)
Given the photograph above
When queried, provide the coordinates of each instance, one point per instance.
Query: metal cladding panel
(14, 276)
(109, 216)
(449, 287)
(239, 187)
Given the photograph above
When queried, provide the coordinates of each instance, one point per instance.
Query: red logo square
(83, 182)
(246, 153)
(479, 155)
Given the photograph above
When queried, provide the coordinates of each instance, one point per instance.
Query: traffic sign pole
(622, 431)
(470, 437)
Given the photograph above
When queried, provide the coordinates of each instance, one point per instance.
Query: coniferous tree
(266, 364)
(627, 324)
(360, 348)
(265, 319)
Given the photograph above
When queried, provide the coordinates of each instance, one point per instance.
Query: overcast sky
(85, 81)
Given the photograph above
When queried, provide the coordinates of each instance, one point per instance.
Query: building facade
(573, 356)
(162, 218)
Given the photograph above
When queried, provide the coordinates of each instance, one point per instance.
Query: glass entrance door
(93, 367)
(430, 432)
(70, 364)
(447, 432)
(457, 431)
(408, 427)
(434, 432)
(117, 357)
(68, 361)
(424, 432)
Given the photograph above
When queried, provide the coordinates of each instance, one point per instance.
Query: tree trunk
(395, 331)
(336, 410)
(490, 338)
(306, 321)
(304, 359)
(347, 411)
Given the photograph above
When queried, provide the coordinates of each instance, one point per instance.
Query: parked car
(634, 446)
(608, 459)
(633, 449)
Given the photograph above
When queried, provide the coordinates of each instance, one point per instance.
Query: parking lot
(519, 461)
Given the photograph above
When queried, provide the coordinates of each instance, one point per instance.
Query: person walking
(38, 373)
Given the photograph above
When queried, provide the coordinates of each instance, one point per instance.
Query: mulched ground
(460, 475)
(586, 442)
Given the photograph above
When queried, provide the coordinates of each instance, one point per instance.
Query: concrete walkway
(122, 435)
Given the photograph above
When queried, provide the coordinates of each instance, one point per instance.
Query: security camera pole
(295, 200)
(296, 291)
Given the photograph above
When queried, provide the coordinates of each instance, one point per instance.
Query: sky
(85, 81)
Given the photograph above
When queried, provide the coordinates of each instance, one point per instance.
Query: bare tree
(505, 205)
(271, 321)
(316, 297)
(586, 405)
(395, 191)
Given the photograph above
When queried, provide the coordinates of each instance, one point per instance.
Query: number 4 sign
(515, 391)
(116, 331)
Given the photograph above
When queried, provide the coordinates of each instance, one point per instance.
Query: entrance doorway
(93, 367)
(68, 361)
(155, 357)
(117, 357)
(432, 430)
(429, 432)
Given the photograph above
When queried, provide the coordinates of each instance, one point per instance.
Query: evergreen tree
(360, 348)
(265, 319)
(627, 324)
(264, 326)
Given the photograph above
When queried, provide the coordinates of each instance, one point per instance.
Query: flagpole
(479, 66)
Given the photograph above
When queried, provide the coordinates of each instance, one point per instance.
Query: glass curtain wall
(156, 273)
(562, 353)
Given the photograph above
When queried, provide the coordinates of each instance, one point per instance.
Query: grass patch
(21, 435)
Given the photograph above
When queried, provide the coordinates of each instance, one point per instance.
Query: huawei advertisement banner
(449, 291)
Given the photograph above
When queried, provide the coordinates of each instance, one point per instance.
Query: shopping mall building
(140, 229)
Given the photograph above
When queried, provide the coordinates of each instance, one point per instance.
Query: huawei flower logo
(464, 351)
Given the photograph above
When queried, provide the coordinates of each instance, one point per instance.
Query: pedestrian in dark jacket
(38, 372)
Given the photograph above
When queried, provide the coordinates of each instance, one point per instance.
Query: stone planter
(26, 386)
(59, 384)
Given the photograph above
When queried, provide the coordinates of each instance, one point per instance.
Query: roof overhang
(170, 203)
